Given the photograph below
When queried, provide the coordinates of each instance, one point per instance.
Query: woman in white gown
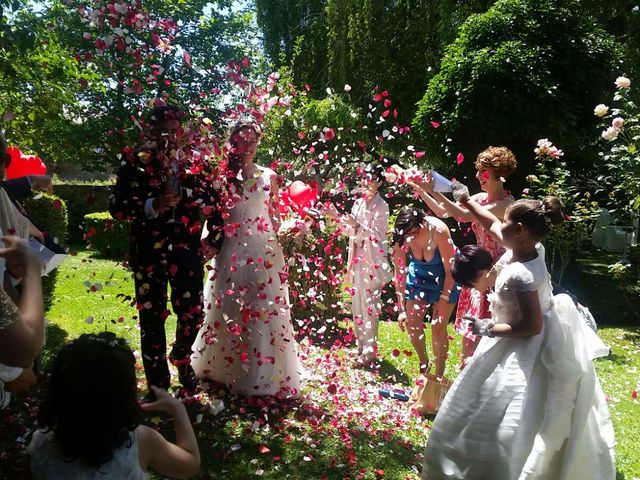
(529, 404)
(247, 340)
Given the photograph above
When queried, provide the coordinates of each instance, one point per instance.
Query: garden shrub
(107, 236)
(523, 70)
(82, 199)
(50, 213)
(316, 262)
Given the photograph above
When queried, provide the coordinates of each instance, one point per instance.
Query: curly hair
(500, 160)
(90, 398)
(537, 216)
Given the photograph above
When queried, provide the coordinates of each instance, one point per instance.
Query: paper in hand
(441, 183)
(49, 259)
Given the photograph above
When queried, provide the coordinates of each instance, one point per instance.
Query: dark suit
(165, 250)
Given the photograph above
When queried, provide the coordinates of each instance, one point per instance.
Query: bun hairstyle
(408, 218)
(537, 216)
(500, 160)
(468, 263)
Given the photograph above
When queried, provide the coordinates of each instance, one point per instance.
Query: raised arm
(21, 341)
(488, 220)
(439, 204)
(175, 460)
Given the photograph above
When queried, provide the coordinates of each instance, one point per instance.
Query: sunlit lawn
(341, 428)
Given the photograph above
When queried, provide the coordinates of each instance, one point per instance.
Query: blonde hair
(499, 159)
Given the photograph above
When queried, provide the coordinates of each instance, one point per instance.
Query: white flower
(610, 133)
(617, 123)
(347, 88)
(623, 82)
(600, 110)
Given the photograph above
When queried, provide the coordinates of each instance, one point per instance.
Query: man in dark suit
(165, 202)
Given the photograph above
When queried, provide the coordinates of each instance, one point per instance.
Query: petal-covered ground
(339, 429)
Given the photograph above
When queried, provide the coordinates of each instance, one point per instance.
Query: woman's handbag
(428, 394)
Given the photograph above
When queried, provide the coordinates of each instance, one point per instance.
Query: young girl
(368, 267)
(425, 280)
(528, 405)
(90, 421)
(493, 165)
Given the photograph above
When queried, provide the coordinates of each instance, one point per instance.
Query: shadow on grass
(271, 439)
(388, 372)
(632, 334)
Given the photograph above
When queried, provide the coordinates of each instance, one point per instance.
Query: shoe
(188, 378)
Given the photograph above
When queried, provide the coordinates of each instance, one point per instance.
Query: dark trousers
(183, 269)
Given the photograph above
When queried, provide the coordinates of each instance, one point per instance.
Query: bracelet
(444, 297)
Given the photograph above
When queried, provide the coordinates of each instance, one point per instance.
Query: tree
(39, 80)
(525, 69)
(393, 44)
(140, 51)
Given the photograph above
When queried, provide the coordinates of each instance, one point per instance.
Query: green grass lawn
(340, 429)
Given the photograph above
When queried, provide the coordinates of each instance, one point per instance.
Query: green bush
(49, 212)
(105, 235)
(525, 69)
(82, 199)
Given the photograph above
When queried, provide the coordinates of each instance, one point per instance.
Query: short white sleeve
(520, 279)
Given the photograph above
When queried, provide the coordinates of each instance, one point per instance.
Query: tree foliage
(525, 69)
(78, 76)
(393, 44)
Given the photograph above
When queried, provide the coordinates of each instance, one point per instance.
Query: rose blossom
(610, 133)
(617, 123)
(600, 110)
(623, 82)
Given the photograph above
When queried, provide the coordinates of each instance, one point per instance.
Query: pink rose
(617, 123)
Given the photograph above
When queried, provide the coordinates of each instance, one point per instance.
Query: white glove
(480, 326)
(460, 192)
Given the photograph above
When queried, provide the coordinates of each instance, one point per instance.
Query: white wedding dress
(247, 339)
(526, 408)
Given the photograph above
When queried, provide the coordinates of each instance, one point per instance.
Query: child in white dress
(89, 419)
(529, 405)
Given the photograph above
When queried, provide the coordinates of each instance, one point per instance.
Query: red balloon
(24, 165)
(300, 193)
(14, 154)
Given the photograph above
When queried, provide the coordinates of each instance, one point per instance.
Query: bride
(247, 340)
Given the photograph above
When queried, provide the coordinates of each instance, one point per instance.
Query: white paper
(49, 259)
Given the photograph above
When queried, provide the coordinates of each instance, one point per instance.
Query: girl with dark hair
(493, 166)
(528, 405)
(424, 281)
(247, 341)
(368, 267)
(89, 419)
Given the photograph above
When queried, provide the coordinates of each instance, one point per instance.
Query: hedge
(50, 213)
(106, 235)
(82, 199)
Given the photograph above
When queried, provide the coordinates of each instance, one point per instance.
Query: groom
(165, 203)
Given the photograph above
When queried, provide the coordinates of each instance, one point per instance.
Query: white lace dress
(247, 340)
(48, 462)
(526, 408)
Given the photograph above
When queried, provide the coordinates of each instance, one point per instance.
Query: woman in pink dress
(493, 165)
